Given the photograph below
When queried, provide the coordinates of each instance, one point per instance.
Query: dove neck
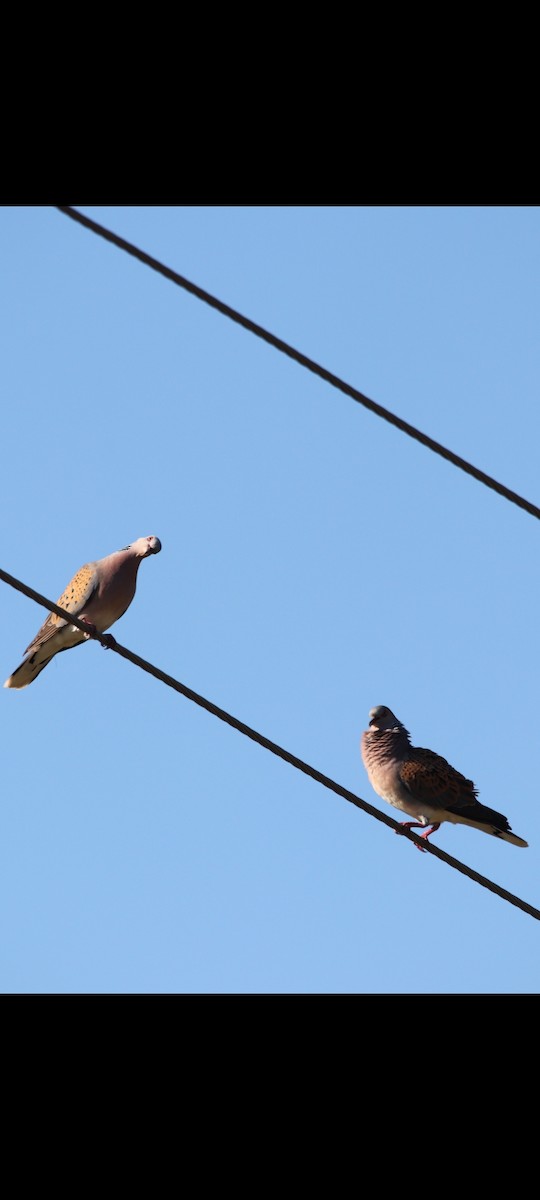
(388, 743)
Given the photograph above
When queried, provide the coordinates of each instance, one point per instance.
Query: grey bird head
(145, 546)
(382, 718)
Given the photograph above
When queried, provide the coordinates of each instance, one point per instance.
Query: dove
(99, 593)
(422, 783)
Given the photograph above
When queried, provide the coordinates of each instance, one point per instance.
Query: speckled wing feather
(431, 779)
(74, 599)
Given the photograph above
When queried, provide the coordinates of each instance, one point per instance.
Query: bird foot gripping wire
(417, 825)
(107, 640)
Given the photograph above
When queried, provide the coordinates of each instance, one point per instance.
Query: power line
(273, 747)
(303, 360)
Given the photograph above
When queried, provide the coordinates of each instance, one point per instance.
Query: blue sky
(315, 562)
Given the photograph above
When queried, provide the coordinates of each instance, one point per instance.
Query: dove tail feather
(480, 816)
(27, 672)
(31, 667)
(488, 826)
(510, 837)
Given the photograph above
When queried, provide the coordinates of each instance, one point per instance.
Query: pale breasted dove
(99, 594)
(421, 783)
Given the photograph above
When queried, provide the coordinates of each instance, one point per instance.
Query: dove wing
(431, 779)
(74, 599)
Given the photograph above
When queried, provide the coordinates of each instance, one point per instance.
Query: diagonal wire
(303, 360)
(273, 747)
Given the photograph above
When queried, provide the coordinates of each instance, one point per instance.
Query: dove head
(145, 546)
(382, 718)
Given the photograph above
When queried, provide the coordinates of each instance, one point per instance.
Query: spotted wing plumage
(431, 780)
(74, 599)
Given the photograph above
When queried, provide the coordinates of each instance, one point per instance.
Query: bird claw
(407, 825)
(106, 639)
(91, 630)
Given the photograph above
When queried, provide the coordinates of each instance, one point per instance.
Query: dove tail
(27, 672)
(479, 816)
(32, 666)
(510, 837)
(497, 825)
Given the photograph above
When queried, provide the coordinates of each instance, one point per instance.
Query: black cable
(303, 360)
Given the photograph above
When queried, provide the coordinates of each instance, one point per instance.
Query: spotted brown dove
(99, 593)
(421, 783)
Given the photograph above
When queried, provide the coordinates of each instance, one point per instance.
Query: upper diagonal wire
(303, 360)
